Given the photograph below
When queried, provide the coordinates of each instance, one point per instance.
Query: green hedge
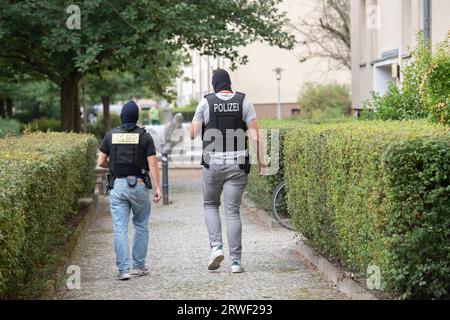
(41, 177)
(98, 129)
(44, 125)
(188, 112)
(376, 193)
(259, 188)
(9, 127)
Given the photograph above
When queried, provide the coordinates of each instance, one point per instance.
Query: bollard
(170, 127)
(165, 178)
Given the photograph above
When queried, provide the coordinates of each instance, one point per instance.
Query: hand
(157, 195)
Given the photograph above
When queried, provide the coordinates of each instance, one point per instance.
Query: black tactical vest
(127, 155)
(226, 130)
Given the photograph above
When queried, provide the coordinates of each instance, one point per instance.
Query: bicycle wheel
(279, 206)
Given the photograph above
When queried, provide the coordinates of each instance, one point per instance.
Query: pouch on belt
(131, 180)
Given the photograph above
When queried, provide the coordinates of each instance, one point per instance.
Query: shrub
(98, 129)
(41, 177)
(187, 111)
(43, 125)
(395, 105)
(259, 188)
(425, 89)
(435, 87)
(9, 127)
(375, 193)
(324, 101)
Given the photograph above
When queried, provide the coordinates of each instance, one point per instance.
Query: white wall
(400, 21)
(257, 78)
(440, 19)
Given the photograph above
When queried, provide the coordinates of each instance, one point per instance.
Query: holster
(205, 163)
(110, 178)
(146, 177)
(246, 166)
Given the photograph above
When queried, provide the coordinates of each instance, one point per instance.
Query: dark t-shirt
(146, 144)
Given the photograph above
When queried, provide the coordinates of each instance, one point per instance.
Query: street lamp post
(278, 72)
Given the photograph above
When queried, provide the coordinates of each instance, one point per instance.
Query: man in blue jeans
(129, 153)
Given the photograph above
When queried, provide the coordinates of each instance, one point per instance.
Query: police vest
(225, 130)
(127, 155)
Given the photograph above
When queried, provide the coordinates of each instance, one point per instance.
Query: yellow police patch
(125, 138)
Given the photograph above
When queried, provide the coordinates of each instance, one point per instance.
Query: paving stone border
(339, 277)
(93, 206)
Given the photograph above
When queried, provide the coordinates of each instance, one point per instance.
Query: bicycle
(279, 206)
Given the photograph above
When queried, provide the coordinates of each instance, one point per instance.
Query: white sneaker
(216, 258)
(236, 267)
(123, 276)
(142, 271)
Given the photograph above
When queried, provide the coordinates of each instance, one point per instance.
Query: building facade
(257, 78)
(195, 81)
(383, 34)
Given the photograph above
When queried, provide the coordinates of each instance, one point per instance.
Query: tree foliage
(113, 33)
(326, 33)
(324, 101)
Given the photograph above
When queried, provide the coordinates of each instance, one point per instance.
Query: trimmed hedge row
(375, 193)
(41, 177)
(259, 188)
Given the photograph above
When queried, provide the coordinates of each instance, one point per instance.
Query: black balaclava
(221, 80)
(129, 116)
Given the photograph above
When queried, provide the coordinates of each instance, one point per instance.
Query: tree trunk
(35, 113)
(70, 103)
(85, 113)
(9, 107)
(2, 109)
(106, 115)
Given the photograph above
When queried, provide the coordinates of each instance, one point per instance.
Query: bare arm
(102, 160)
(195, 129)
(256, 142)
(154, 172)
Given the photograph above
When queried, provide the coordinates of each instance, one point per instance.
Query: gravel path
(178, 253)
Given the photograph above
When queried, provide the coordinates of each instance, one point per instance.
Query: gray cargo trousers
(232, 180)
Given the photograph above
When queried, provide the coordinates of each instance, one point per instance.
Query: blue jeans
(123, 198)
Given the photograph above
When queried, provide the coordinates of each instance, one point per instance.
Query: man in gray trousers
(225, 119)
